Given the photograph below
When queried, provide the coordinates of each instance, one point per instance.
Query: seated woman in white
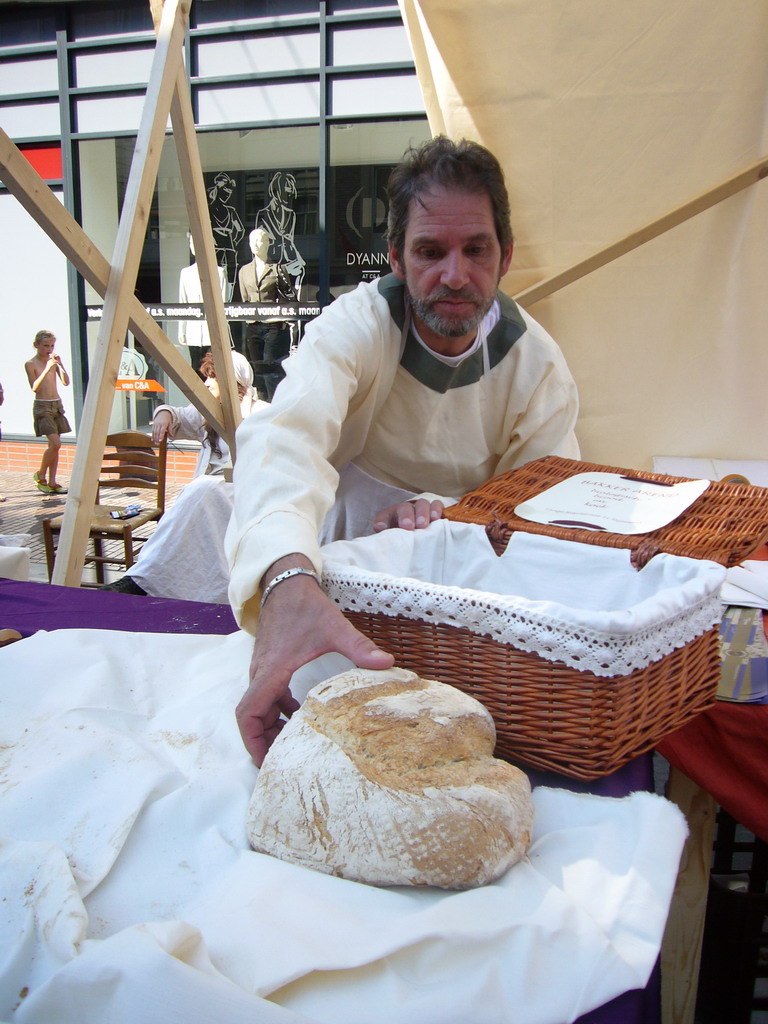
(184, 557)
(186, 423)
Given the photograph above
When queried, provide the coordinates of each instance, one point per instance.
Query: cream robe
(412, 423)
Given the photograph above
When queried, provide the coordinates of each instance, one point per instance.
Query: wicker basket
(727, 523)
(548, 714)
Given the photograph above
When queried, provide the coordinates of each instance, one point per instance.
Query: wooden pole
(702, 202)
(681, 946)
(122, 281)
(183, 122)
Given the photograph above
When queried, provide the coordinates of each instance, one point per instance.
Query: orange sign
(135, 384)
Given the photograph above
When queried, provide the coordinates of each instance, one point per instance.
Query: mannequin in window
(268, 340)
(278, 218)
(228, 229)
(194, 333)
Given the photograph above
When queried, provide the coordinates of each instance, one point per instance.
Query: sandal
(57, 489)
(41, 486)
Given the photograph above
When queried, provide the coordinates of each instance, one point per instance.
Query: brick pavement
(25, 508)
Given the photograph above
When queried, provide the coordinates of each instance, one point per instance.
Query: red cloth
(725, 751)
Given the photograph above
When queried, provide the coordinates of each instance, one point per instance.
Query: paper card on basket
(610, 502)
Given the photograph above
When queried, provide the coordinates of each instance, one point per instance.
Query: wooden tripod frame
(167, 92)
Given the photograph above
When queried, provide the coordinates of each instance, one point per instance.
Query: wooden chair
(130, 462)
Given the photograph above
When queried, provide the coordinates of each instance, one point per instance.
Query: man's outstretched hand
(298, 623)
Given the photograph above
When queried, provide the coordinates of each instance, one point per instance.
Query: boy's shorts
(49, 417)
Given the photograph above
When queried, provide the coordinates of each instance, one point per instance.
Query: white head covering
(243, 370)
(249, 402)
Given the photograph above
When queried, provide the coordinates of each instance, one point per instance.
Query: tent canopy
(607, 117)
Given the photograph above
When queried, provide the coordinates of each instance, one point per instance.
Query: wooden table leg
(681, 947)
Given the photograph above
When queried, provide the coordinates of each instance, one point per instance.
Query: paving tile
(25, 508)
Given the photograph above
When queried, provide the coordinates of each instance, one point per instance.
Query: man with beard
(404, 394)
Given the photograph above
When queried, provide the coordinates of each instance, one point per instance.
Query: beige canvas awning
(614, 121)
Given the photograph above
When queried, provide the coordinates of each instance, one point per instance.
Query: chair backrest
(131, 460)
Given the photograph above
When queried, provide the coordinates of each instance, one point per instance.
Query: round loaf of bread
(389, 779)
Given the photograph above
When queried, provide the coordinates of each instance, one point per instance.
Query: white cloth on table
(747, 584)
(15, 555)
(582, 604)
(130, 892)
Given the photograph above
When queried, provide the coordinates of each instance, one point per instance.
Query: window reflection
(19, 76)
(375, 94)
(26, 120)
(362, 156)
(378, 44)
(113, 67)
(285, 51)
(246, 104)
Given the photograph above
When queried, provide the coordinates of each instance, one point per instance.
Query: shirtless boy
(43, 371)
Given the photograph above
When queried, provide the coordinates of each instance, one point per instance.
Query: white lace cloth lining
(575, 603)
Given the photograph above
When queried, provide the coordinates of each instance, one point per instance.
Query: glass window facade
(360, 6)
(259, 55)
(244, 104)
(302, 108)
(95, 114)
(113, 67)
(35, 74)
(225, 13)
(27, 25)
(361, 157)
(27, 120)
(374, 94)
(378, 44)
(109, 20)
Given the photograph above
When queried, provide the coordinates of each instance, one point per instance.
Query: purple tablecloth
(29, 607)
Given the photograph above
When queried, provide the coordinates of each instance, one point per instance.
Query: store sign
(370, 264)
(138, 385)
(366, 217)
(132, 374)
(232, 311)
(365, 213)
